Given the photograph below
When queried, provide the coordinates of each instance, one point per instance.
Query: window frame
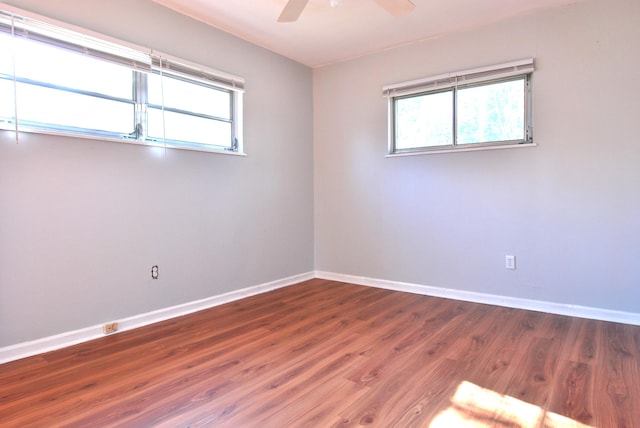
(19, 24)
(454, 82)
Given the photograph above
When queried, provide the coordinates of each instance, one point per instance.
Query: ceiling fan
(397, 8)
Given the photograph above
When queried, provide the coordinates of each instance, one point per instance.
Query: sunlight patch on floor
(473, 406)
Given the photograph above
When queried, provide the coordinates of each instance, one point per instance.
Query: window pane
(6, 100)
(60, 108)
(189, 96)
(493, 112)
(6, 60)
(424, 121)
(193, 129)
(43, 63)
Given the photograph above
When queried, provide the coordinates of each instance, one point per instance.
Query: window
(479, 108)
(57, 80)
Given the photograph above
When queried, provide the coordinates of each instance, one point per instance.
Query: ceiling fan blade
(397, 8)
(292, 10)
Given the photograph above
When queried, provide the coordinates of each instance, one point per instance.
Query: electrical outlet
(110, 328)
(510, 262)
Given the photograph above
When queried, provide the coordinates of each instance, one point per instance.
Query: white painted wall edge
(489, 299)
(46, 344)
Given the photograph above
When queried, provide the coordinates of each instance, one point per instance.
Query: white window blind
(460, 78)
(24, 27)
(135, 57)
(182, 68)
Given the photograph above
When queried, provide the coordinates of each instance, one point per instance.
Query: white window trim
(233, 83)
(455, 79)
(461, 149)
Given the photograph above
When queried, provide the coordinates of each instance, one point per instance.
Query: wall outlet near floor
(110, 328)
(510, 262)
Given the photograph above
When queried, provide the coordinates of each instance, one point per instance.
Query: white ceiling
(324, 35)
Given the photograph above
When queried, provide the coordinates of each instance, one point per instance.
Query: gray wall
(568, 209)
(82, 222)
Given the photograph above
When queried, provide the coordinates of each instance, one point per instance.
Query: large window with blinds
(487, 107)
(56, 79)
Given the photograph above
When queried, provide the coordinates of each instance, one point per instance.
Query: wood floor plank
(573, 393)
(312, 379)
(397, 342)
(411, 359)
(276, 386)
(433, 397)
(324, 353)
(617, 379)
(503, 338)
(584, 342)
(532, 380)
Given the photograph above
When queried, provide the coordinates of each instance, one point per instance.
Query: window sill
(119, 140)
(460, 149)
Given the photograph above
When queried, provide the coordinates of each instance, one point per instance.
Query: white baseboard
(490, 299)
(46, 344)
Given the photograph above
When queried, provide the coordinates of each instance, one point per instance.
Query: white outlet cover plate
(510, 262)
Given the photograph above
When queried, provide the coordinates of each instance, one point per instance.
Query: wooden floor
(324, 354)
